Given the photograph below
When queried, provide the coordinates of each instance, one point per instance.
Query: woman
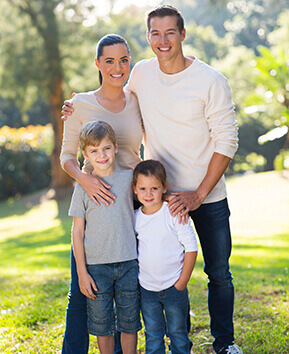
(118, 107)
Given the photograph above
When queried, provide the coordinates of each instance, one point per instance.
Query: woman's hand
(67, 109)
(87, 285)
(96, 188)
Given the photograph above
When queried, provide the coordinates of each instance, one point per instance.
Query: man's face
(165, 38)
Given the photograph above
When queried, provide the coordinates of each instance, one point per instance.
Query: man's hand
(67, 109)
(183, 202)
(96, 188)
(87, 285)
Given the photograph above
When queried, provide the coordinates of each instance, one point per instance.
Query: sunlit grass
(34, 271)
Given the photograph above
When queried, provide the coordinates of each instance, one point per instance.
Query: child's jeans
(115, 282)
(165, 312)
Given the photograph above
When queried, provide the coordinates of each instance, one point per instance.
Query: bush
(23, 171)
(24, 166)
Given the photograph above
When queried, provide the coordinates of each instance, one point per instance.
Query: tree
(42, 16)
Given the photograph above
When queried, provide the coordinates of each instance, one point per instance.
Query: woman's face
(114, 64)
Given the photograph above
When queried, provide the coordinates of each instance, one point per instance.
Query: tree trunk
(42, 15)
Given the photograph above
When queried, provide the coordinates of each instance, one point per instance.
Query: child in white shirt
(167, 252)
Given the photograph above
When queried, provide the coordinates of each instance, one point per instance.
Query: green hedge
(23, 170)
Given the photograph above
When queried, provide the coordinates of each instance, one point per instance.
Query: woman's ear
(96, 63)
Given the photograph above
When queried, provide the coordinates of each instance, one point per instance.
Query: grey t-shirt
(109, 230)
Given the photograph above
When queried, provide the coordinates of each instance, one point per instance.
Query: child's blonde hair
(150, 168)
(92, 133)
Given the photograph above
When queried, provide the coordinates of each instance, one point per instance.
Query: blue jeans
(165, 312)
(116, 283)
(76, 339)
(212, 225)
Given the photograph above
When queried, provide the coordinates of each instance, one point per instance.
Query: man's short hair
(93, 132)
(165, 10)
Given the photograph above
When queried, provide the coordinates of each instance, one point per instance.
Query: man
(190, 127)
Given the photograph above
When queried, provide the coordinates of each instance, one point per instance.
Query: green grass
(34, 271)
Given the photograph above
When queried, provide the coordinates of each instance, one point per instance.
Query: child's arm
(86, 283)
(189, 264)
(187, 238)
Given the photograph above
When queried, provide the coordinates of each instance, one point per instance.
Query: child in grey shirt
(104, 243)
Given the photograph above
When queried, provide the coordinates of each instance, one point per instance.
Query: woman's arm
(95, 187)
(86, 283)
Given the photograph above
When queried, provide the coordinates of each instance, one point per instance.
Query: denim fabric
(116, 282)
(76, 338)
(165, 312)
(212, 225)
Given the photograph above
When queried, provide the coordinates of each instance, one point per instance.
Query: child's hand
(179, 285)
(183, 219)
(87, 285)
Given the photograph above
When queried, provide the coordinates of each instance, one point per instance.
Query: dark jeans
(76, 339)
(165, 312)
(212, 225)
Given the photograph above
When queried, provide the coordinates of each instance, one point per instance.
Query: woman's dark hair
(150, 168)
(109, 39)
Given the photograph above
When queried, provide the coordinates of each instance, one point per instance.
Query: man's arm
(188, 266)
(183, 202)
(67, 109)
(86, 283)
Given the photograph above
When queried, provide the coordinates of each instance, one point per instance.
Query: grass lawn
(34, 271)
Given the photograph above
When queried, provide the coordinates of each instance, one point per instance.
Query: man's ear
(184, 34)
(148, 37)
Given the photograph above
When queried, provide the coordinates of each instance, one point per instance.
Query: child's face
(149, 191)
(101, 157)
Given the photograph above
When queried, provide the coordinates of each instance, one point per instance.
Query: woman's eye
(124, 60)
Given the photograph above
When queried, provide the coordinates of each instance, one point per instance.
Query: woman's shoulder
(83, 97)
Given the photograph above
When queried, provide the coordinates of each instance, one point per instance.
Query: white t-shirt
(187, 117)
(161, 245)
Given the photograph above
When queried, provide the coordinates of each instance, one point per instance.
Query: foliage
(24, 167)
(9, 114)
(34, 270)
(35, 137)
